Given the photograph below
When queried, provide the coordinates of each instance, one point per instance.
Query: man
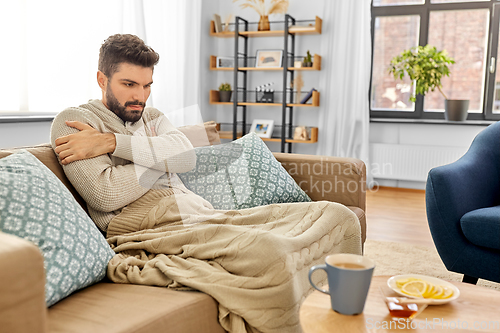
(99, 135)
(122, 158)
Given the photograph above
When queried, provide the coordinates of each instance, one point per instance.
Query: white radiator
(409, 162)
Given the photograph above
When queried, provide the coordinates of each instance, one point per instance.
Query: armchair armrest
(336, 179)
(22, 286)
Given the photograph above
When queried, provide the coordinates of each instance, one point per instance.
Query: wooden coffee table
(476, 310)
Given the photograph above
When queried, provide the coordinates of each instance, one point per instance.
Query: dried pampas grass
(275, 7)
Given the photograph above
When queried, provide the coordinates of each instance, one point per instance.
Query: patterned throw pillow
(241, 174)
(36, 206)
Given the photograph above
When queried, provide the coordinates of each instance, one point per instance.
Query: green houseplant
(225, 92)
(308, 60)
(426, 66)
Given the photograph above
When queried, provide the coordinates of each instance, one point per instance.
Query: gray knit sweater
(148, 154)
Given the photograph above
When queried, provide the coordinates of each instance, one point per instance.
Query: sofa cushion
(202, 134)
(36, 206)
(482, 227)
(47, 156)
(241, 174)
(126, 308)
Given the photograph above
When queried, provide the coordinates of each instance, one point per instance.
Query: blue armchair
(463, 209)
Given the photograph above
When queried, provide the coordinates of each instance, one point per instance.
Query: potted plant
(308, 60)
(426, 66)
(225, 92)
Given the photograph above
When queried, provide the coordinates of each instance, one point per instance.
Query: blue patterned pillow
(241, 174)
(35, 205)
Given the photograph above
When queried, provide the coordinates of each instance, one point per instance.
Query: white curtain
(50, 50)
(345, 119)
(173, 28)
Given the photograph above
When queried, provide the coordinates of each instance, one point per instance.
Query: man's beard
(119, 110)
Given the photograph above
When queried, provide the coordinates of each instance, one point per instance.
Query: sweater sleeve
(167, 150)
(104, 186)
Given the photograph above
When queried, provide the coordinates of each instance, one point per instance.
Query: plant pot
(263, 23)
(224, 96)
(456, 109)
(308, 64)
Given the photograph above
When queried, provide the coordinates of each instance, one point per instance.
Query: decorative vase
(225, 96)
(264, 23)
(456, 109)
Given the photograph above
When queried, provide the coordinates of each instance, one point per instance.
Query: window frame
(424, 10)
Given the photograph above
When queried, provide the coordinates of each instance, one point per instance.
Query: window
(467, 29)
(50, 50)
(392, 35)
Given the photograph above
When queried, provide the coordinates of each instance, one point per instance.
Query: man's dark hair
(121, 48)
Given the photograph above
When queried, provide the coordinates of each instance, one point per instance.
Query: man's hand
(87, 143)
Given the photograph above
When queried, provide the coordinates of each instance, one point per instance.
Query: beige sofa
(107, 307)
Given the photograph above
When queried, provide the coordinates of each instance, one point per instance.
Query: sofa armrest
(22, 286)
(336, 179)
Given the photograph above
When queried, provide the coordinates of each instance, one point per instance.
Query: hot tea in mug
(349, 277)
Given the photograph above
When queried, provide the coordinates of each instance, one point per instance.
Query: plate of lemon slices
(435, 290)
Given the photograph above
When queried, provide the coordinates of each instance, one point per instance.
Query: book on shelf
(218, 23)
(307, 97)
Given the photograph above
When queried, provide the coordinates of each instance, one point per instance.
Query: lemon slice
(431, 289)
(438, 292)
(415, 288)
(401, 282)
(447, 293)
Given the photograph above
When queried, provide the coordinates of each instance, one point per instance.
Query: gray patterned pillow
(36, 206)
(241, 174)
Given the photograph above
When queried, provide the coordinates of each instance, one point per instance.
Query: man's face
(127, 91)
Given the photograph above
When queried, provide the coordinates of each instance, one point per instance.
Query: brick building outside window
(467, 30)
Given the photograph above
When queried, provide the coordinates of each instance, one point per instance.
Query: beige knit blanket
(253, 262)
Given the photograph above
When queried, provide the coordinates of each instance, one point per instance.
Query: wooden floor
(397, 215)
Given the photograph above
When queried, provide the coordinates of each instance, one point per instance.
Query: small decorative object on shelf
(300, 133)
(274, 7)
(262, 127)
(263, 94)
(297, 84)
(307, 97)
(225, 92)
(264, 24)
(218, 23)
(308, 60)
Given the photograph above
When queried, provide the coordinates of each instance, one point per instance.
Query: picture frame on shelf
(269, 58)
(262, 127)
(224, 62)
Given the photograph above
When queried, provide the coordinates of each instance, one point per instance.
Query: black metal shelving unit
(237, 88)
(241, 94)
(288, 57)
